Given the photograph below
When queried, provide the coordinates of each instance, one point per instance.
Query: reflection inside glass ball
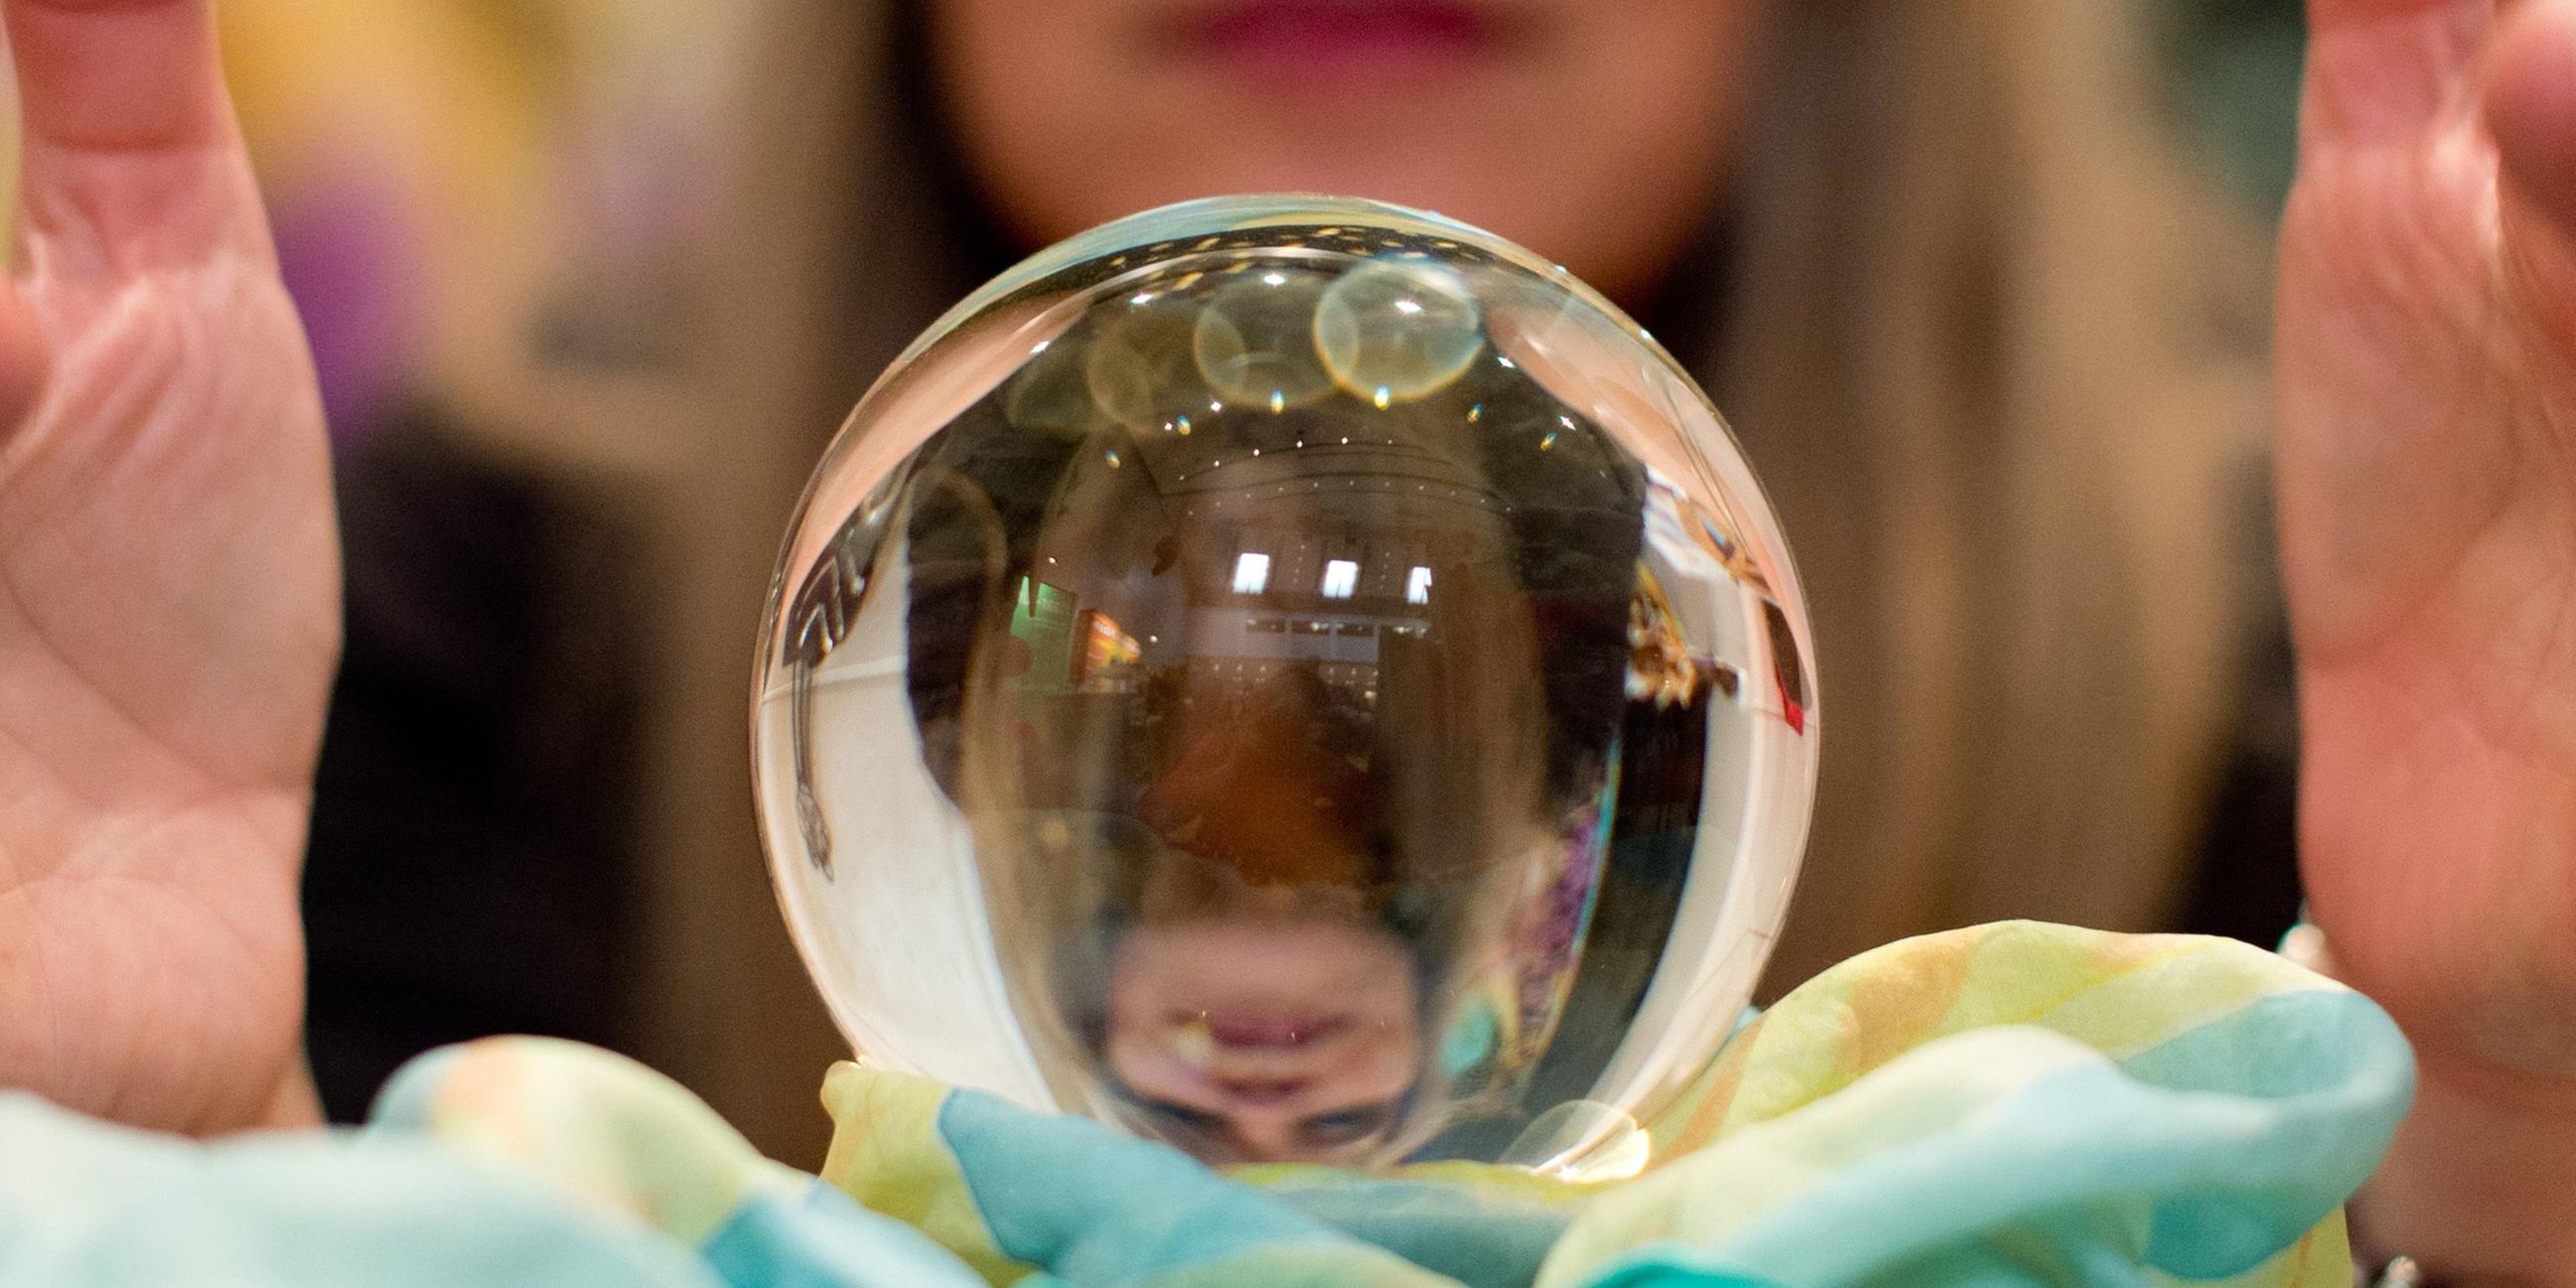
(1298, 679)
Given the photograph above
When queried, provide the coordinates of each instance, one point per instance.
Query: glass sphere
(1302, 679)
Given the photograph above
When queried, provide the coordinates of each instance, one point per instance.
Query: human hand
(2427, 456)
(168, 590)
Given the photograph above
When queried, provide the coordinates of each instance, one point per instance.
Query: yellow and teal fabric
(2011, 1105)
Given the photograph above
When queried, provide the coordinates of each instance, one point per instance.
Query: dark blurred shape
(472, 866)
(2246, 884)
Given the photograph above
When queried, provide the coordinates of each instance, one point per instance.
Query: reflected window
(1341, 579)
(1251, 573)
(1417, 586)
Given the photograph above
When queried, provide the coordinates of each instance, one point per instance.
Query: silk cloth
(2017, 1104)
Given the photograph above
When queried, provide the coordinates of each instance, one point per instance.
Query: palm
(2428, 481)
(167, 610)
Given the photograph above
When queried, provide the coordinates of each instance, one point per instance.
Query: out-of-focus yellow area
(445, 94)
(440, 172)
(402, 149)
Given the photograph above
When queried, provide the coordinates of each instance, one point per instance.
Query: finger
(119, 75)
(132, 160)
(2531, 110)
(2379, 69)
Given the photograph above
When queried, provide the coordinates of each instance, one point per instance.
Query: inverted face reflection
(1266, 1031)
(1313, 701)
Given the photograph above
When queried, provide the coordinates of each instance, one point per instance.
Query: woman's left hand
(2427, 457)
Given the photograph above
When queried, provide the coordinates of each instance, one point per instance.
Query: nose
(1265, 1132)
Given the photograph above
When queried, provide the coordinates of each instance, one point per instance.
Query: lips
(1248, 1031)
(1319, 37)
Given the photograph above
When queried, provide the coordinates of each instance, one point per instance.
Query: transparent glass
(1298, 678)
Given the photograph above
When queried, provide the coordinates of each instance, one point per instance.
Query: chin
(1508, 205)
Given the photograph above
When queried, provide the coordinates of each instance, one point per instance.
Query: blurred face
(1254, 1036)
(1592, 131)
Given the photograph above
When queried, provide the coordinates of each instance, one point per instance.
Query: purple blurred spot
(350, 250)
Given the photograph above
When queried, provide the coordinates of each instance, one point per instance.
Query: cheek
(1614, 157)
(1668, 76)
(1135, 971)
(1026, 87)
(1387, 1063)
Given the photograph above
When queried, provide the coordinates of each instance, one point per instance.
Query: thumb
(22, 343)
(2531, 109)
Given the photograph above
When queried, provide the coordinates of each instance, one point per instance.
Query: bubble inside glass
(1300, 679)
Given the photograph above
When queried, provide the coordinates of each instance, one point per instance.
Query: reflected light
(1251, 573)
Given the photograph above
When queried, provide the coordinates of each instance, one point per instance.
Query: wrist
(2480, 1184)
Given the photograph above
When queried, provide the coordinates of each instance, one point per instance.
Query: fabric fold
(2011, 1105)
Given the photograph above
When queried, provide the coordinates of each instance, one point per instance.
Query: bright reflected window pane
(1341, 579)
(1251, 574)
(1417, 587)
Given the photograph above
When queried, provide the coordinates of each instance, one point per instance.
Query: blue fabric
(1469, 1236)
(2086, 1171)
(2317, 1066)
(1099, 1208)
(2010, 1107)
(817, 1238)
(85, 1205)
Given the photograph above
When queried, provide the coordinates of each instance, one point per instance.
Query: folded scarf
(2017, 1104)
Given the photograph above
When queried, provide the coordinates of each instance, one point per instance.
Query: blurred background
(589, 284)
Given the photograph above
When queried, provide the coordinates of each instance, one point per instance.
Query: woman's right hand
(168, 589)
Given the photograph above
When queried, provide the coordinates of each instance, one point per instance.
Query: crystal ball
(1301, 679)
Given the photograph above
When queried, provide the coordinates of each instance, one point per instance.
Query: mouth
(1254, 1031)
(1306, 39)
